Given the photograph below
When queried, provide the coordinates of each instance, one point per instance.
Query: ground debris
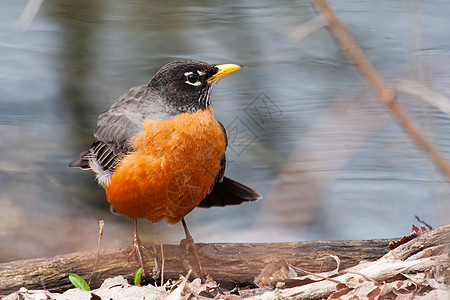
(414, 233)
(112, 288)
(119, 288)
(417, 269)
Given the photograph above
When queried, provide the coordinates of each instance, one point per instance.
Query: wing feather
(117, 125)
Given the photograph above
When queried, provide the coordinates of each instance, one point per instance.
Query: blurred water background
(305, 129)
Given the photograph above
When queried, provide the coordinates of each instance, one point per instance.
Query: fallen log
(228, 263)
(423, 263)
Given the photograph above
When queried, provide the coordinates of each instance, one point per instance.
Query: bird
(159, 152)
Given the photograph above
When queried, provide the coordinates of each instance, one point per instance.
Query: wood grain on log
(229, 264)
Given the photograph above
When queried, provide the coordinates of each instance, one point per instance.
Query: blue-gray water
(305, 129)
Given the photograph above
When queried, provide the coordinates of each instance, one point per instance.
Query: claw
(138, 249)
(190, 244)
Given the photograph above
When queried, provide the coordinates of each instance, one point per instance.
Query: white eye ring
(192, 79)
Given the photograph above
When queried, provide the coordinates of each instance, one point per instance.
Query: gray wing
(117, 125)
(122, 121)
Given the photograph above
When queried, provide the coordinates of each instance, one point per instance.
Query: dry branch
(229, 264)
(354, 53)
(402, 260)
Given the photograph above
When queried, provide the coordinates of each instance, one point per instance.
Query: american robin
(159, 152)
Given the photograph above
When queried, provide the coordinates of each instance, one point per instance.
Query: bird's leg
(138, 249)
(190, 244)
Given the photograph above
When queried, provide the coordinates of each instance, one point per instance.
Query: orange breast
(174, 164)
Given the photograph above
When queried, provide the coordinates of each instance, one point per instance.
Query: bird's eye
(192, 78)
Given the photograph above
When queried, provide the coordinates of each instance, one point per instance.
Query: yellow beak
(223, 70)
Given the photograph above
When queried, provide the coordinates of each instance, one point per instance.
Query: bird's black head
(186, 84)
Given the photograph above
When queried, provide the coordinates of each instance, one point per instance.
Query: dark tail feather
(81, 162)
(229, 192)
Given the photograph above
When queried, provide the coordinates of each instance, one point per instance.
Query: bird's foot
(189, 244)
(139, 250)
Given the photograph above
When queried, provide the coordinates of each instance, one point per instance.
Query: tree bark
(229, 264)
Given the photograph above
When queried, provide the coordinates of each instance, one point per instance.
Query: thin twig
(354, 53)
(424, 223)
(44, 287)
(162, 262)
(101, 224)
(156, 268)
(314, 274)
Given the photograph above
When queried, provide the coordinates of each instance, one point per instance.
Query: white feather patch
(103, 176)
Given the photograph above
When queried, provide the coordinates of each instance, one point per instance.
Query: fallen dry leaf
(273, 273)
(414, 233)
